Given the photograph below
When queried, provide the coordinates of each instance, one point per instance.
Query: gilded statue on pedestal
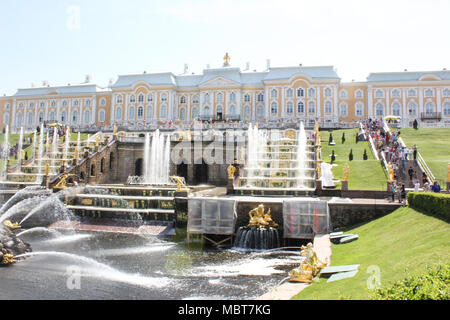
(9, 224)
(346, 172)
(309, 268)
(259, 218)
(181, 184)
(231, 170)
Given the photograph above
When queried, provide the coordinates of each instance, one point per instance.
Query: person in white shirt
(416, 186)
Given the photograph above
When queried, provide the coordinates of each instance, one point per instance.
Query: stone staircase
(403, 176)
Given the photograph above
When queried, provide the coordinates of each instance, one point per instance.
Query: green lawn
(364, 174)
(434, 146)
(400, 244)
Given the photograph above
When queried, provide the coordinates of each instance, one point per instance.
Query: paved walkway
(322, 247)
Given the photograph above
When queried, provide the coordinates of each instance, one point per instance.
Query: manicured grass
(364, 174)
(400, 244)
(434, 146)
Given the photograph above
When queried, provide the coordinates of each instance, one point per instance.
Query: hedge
(433, 203)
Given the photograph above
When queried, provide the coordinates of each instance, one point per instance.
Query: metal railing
(431, 115)
(421, 163)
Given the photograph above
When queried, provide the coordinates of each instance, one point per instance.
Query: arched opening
(81, 176)
(138, 167)
(92, 170)
(111, 160)
(182, 170)
(102, 165)
(201, 173)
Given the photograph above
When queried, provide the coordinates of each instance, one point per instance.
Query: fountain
(277, 161)
(5, 154)
(54, 149)
(19, 151)
(10, 245)
(40, 154)
(260, 233)
(156, 158)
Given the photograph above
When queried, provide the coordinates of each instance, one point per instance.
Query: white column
(318, 106)
(113, 107)
(420, 100)
(438, 100)
(69, 116)
(336, 103)
(253, 106)
(13, 115)
(58, 103)
(283, 104)
(94, 109)
(266, 102)
(125, 111)
(188, 107)
(405, 114)
(388, 105)
(239, 104)
(369, 101)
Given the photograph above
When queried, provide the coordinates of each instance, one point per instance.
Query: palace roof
(407, 76)
(87, 88)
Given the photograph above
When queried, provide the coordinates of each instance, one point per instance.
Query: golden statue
(11, 225)
(181, 184)
(62, 183)
(231, 170)
(259, 218)
(309, 268)
(448, 172)
(390, 172)
(290, 134)
(7, 259)
(226, 60)
(346, 172)
(114, 130)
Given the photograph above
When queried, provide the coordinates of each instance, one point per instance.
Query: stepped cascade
(278, 160)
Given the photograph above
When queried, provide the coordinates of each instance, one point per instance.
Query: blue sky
(48, 40)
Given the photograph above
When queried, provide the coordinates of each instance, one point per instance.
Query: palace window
(247, 97)
(6, 118)
(220, 97)
(274, 108)
(131, 115)
(300, 107)
(42, 104)
(232, 96)
(149, 112)
(446, 93)
(379, 109)
(359, 109)
(182, 113)
(75, 103)
(300, 92)
(31, 105)
(327, 92)
(412, 93)
(74, 116)
(119, 113)
(206, 111)
(396, 109)
(206, 98)
(140, 97)
(428, 93)
(30, 118)
(51, 117)
(395, 93)
(53, 104)
(183, 99)
(164, 97)
(311, 107)
(446, 108)
(290, 107)
(343, 110)
(87, 115)
(219, 109)
(64, 104)
(119, 99)
(289, 93)
(311, 92)
(132, 98)
(328, 107)
(379, 93)
(247, 111)
(194, 112)
(19, 119)
(101, 115)
(163, 111)
(358, 94)
(103, 102)
(429, 107)
(260, 111)
(88, 103)
(274, 94)
(260, 97)
(8, 106)
(412, 108)
(41, 117)
(63, 116)
(140, 112)
(21, 105)
(149, 97)
(343, 94)
(232, 109)
(195, 99)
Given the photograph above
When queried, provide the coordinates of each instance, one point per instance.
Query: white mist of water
(97, 269)
(39, 230)
(301, 155)
(5, 153)
(55, 148)
(156, 158)
(66, 144)
(19, 150)
(21, 207)
(40, 153)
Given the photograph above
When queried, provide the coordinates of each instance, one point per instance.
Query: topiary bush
(433, 285)
(433, 203)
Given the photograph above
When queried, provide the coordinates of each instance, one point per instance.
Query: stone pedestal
(230, 186)
(448, 186)
(318, 184)
(344, 185)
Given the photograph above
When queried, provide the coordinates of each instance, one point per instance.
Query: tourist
(436, 187)
(416, 186)
(402, 193)
(424, 178)
(426, 188)
(415, 152)
(410, 173)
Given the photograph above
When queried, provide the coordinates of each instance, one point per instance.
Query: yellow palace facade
(288, 94)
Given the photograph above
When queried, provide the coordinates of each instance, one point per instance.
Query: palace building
(308, 93)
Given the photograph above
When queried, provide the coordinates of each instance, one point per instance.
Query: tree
(333, 156)
(343, 137)
(415, 124)
(356, 137)
(350, 156)
(330, 140)
(365, 155)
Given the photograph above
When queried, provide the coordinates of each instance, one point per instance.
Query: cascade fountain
(5, 153)
(40, 154)
(156, 158)
(19, 151)
(66, 145)
(54, 149)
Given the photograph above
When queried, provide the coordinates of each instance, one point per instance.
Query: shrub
(343, 137)
(415, 124)
(350, 156)
(433, 203)
(330, 139)
(365, 154)
(433, 285)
